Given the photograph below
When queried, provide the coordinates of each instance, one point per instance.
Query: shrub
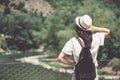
(101, 72)
(20, 5)
(5, 2)
(115, 64)
(7, 10)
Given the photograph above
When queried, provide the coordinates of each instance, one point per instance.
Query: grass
(51, 62)
(102, 72)
(15, 55)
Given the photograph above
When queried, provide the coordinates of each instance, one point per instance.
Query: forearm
(66, 62)
(63, 59)
(101, 29)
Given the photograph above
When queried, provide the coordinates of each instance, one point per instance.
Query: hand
(91, 28)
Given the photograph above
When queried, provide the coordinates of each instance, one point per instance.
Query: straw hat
(83, 22)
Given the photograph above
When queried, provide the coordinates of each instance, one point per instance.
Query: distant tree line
(29, 30)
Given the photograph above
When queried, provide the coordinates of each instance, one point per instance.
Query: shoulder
(98, 35)
(72, 39)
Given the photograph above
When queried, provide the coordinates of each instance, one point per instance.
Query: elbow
(61, 57)
(107, 32)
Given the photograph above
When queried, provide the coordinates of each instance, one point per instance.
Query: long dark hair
(85, 35)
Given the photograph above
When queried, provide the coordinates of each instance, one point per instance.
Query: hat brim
(77, 20)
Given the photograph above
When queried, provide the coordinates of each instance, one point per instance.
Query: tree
(25, 30)
(62, 22)
(31, 29)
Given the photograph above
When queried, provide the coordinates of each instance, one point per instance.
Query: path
(35, 61)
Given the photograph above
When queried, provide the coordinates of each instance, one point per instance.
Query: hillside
(37, 5)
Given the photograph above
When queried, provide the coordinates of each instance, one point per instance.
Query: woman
(84, 30)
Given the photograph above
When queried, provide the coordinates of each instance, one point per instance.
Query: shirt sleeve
(68, 48)
(101, 38)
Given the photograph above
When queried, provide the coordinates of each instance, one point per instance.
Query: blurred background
(33, 32)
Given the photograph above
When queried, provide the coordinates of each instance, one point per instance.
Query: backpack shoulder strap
(80, 42)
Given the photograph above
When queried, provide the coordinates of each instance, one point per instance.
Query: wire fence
(26, 71)
(15, 70)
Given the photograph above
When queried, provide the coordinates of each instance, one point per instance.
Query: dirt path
(35, 61)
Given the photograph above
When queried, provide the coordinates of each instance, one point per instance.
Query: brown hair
(85, 35)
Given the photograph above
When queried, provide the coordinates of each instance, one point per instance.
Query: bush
(5, 2)
(101, 72)
(20, 5)
(7, 10)
(115, 64)
(27, 31)
(12, 4)
(30, 29)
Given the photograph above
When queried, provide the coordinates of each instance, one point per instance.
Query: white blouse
(72, 46)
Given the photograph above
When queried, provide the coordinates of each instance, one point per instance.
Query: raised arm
(106, 31)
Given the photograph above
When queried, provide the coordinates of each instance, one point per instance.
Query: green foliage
(25, 30)
(20, 5)
(5, 2)
(31, 29)
(7, 10)
(53, 63)
(12, 4)
(113, 47)
(63, 21)
(101, 72)
(115, 64)
(59, 24)
(3, 45)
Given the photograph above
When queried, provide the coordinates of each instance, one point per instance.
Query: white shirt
(73, 47)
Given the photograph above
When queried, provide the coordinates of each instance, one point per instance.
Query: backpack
(85, 68)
